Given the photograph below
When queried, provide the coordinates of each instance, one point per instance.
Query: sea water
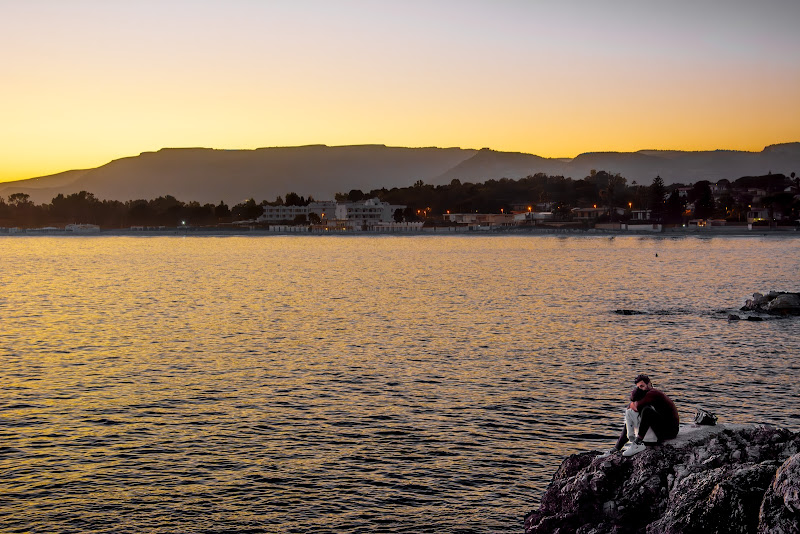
(358, 384)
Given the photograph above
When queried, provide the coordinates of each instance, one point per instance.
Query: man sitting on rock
(650, 416)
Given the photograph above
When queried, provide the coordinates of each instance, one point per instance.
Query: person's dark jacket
(663, 405)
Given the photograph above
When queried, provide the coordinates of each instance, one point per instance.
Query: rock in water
(710, 479)
(774, 302)
(785, 302)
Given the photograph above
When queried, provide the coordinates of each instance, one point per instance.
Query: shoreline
(693, 483)
(788, 233)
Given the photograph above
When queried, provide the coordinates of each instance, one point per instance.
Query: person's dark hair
(641, 378)
(637, 394)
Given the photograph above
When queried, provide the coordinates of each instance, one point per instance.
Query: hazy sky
(87, 81)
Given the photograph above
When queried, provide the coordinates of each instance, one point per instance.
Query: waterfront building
(533, 217)
(325, 209)
(587, 213)
(354, 215)
(82, 228)
(757, 214)
(480, 219)
(590, 214)
(275, 214)
(288, 228)
(641, 215)
(393, 227)
(367, 212)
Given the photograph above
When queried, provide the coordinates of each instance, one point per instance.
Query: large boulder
(712, 479)
(785, 302)
(774, 302)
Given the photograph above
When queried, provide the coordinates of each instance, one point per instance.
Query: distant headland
(379, 188)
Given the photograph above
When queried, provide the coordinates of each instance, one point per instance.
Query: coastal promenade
(783, 232)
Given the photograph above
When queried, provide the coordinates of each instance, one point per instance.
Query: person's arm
(649, 397)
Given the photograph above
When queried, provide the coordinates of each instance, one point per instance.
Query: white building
(273, 214)
(325, 209)
(351, 214)
(367, 212)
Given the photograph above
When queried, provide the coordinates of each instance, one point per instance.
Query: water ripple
(380, 384)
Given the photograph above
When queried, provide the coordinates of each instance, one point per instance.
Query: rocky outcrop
(781, 505)
(774, 303)
(710, 479)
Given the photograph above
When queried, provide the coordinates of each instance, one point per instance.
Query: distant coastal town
(600, 201)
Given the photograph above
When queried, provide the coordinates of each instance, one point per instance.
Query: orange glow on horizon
(540, 80)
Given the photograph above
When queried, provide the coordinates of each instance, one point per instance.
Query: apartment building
(356, 214)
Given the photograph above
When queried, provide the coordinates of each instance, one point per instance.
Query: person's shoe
(635, 448)
(611, 452)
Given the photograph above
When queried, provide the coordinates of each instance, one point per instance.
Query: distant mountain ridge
(211, 175)
(642, 166)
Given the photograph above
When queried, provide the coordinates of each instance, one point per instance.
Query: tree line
(427, 202)
(667, 204)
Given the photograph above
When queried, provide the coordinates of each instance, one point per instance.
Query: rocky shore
(710, 479)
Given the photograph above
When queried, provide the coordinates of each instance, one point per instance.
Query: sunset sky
(88, 81)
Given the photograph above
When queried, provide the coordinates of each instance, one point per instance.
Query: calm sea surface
(357, 384)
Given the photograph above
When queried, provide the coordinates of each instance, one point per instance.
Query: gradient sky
(88, 81)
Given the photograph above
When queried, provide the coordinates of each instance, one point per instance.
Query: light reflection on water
(383, 384)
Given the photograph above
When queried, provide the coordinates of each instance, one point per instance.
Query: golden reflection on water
(428, 381)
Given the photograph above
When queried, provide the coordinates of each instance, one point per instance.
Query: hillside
(209, 175)
(486, 164)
